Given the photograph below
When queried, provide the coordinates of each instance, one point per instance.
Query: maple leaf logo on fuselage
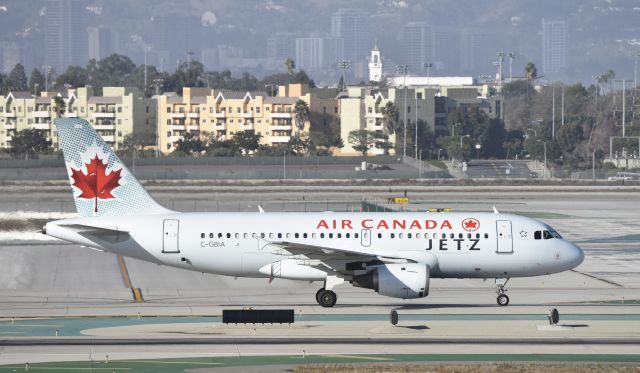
(96, 183)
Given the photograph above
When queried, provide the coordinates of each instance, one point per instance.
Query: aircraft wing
(332, 257)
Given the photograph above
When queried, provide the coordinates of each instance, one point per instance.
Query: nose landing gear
(502, 299)
(326, 298)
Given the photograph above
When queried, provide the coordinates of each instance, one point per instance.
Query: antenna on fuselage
(495, 210)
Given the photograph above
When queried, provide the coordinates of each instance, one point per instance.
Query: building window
(147, 109)
(168, 146)
(119, 121)
(82, 109)
(119, 109)
(335, 110)
(30, 109)
(119, 133)
(168, 133)
(258, 109)
(419, 95)
(370, 109)
(168, 109)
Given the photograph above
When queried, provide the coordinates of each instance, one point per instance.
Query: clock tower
(375, 65)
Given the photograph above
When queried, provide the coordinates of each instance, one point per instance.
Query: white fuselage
(454, 245)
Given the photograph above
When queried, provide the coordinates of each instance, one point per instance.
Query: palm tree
(59, 106)
(302, 112)
(610, 76)
(390, 115)
(531, 71)
(291, 65)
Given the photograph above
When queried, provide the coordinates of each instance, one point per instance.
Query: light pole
(284, 165)
(344, 65)
(428, 66)
(544, 170)
(512, 56)
(403, 69)
(553, 111)
(595, 95)
(635, 71)
(189, 55)
(157, 82)
(453, 132)
(461, 136)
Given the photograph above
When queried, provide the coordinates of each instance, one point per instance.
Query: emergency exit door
(365, 238)
(504, 236)
(171, 228)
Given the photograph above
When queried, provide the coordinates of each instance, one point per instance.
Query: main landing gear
(326, 298)
(502, 299)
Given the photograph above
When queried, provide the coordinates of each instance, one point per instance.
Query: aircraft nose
(576, 255)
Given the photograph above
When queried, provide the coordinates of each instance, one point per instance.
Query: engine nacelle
(406, 281)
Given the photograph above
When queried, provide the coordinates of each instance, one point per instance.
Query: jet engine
(406, 280)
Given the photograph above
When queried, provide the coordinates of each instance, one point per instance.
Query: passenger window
(537, 235)
(444, 235)
(330, 235)
(313, 235)
(400, 235)
(347, 235)
(288, 235)
(262, 235)
(279, 235)
(246, 235)
(271, 235)
(486, 235)
(321, 235)
(477, 235)
(296, 235)
(452, 235)
(408, 235)
(379, 235)
(229, 235)
(202, 235)
(237, 235)
(219, 235)
(304, 235)
(460, 235)
(393, 235)
(417, 236)
(356, 235)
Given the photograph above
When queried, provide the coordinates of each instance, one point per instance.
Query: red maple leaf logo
(96, 183)
(470, 224)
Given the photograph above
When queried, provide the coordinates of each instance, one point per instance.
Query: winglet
(495, 210)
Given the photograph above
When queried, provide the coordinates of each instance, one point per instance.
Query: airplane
(393, 253)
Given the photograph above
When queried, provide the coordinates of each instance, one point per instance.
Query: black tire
(328, 299)
(318, 294)
(503, 300)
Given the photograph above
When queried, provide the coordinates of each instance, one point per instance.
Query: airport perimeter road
(497, 169)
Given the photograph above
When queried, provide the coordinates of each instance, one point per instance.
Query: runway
(81, 295)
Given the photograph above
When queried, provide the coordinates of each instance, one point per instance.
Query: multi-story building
(352, 25)
(554, 46)
(65, 35)
(100, 42)
(416, 45)
(223, 113)
(362, 109)
(117, 113)
(318, 52)
(281, 45)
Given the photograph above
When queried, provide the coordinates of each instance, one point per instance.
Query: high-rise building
(416, 45)
(446, 49)
(352, 25)
(554, 46)
(318, 52)
(9, 56)
(65, 34)
(100, 44)
(477, 53)
(281, 45)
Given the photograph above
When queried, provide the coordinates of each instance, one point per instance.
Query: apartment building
(117, 113)
(362, 109)
(223, 113)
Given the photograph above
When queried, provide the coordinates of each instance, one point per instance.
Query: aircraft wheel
(327, 298)
(503, 300)
(318, 294)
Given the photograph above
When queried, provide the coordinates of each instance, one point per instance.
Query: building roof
(229, 94)
(432, 81)
(198, 99)
(281, 100)
(105, 100)
(21, 94)
(43, 100)
(324, 93)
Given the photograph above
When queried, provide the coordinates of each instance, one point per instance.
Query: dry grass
(470, 368)
(22, 225)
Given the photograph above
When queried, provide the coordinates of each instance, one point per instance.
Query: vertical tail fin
(102, 185)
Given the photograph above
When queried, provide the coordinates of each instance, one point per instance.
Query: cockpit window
(555, 234)
(537, 235)
(547, 235)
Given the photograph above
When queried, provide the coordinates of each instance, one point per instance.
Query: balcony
(220, 114)
(41, 114)
(220, 126)
(104, 114)
(281, 128)
(177, 115)
(280, 115)
(9, 114)
(247, 126)
(109, 138)
(10, 125)
(177, 127)
(374, 115)
(279, 139)
(42, 126)
(193, 127)
(105, 127)
(195, 114)
(247, 115)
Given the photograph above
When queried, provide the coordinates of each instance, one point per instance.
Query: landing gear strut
(502, 299)
(326, 298)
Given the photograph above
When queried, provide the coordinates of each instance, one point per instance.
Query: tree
(115, 70)
(531, 71)
(300, 145)
(301, 77)
(75, 76)
(247, 141)
(390, 115)
(190, 144)
(514, 144)
(291, 65)
(382, 142)
(17, 79)
(136, 142)
(3, 87)
(302, 112)
(59, 106)
(362, 140)
(29, 143)
(36, 82)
